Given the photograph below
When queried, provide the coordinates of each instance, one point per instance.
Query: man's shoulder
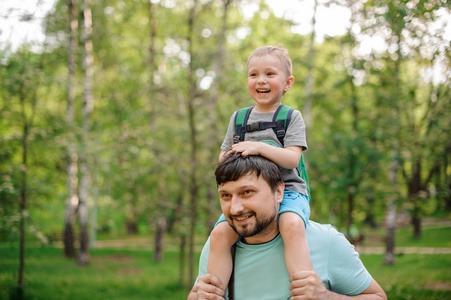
(321, 232)
(315, 226)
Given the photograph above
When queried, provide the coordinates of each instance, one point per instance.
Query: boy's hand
(307, 285)
(209, 287)
(247, 148)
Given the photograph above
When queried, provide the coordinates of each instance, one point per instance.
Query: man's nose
(236, 205)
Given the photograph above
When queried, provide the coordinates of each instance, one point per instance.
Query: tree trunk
(23, 204)
(88, 104)
(152, 36)
(27, 124)
(159, 239)
(182, 260)
(214, 138)
(391, 218)
(132, 227)
(310, 80)
(193, 185)
(416, 222)
(72, 167)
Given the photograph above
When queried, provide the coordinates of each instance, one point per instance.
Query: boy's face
(267, 82)
(251, 207)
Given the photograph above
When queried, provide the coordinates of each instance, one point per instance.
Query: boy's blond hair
(280, 52)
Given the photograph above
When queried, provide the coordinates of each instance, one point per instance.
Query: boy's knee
(222, 234)
(291, 222)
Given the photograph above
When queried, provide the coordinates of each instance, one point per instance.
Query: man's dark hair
(232, 167)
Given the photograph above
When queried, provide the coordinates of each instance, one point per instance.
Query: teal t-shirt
(260, 271)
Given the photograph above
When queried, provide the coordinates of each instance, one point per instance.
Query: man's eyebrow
(241, 187)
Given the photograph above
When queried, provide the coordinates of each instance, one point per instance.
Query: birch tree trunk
(88, 103)
(391, 207)
(391, 217)
(72, 167)
(310, 80)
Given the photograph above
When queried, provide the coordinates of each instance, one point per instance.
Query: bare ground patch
(442, 286)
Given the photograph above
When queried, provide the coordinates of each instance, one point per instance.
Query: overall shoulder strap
(282, 117)
(241, 118)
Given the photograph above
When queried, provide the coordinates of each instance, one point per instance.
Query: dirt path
(404, 250)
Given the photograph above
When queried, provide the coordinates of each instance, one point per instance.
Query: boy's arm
(222, 155)
(287, 158)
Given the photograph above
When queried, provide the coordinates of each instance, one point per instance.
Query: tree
(88, 104)
(193, 183)
(72, 157)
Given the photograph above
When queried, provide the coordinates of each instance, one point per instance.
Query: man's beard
(262, 224)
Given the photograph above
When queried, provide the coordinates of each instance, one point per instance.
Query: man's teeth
(242, 218)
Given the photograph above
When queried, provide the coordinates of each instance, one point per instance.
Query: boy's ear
(289, 83)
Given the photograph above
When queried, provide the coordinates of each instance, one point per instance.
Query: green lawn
(131, 274)
(110, 275)
(414, 276)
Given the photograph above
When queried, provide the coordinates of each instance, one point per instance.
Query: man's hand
(209, 287)
(307, 285)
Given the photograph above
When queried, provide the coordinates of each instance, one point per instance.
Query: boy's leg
(297, 254)
(220, 262)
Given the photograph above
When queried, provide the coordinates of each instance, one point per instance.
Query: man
(250, 190)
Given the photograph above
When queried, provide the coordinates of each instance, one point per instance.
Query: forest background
(111, 126)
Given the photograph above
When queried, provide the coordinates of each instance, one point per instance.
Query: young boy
(269, 77)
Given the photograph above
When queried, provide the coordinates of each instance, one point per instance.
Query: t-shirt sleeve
(228, 140)
(295, 135)
(203, 261)
(347, 274)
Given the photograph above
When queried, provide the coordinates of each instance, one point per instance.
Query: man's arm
(308, 283)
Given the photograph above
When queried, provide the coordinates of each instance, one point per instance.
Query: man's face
(251, 207)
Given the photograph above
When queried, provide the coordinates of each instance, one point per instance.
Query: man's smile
(242, 217)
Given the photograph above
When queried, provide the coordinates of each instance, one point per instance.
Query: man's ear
(288, 84)
(279, 192)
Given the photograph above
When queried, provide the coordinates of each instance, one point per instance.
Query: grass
(112, 274)
(414, 276)
(132, 274)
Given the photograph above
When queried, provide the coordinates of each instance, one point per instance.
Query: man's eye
(247, 192)
(225, 196)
